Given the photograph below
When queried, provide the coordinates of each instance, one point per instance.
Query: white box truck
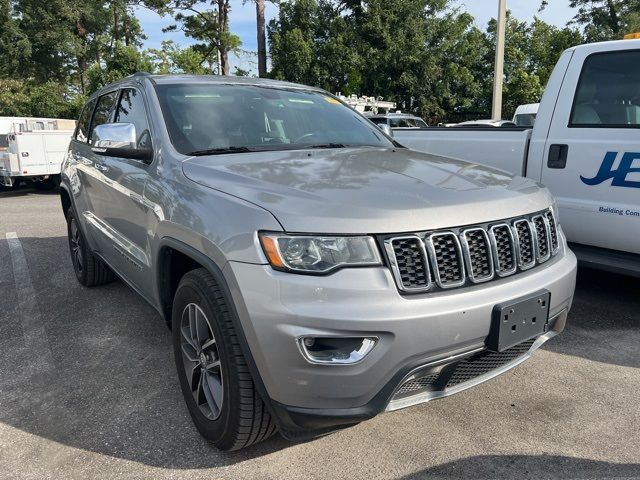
(33, 149)
(584, 146)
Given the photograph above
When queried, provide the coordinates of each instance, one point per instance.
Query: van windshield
(210, 118)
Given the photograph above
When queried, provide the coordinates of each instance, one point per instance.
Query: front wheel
(215, 380)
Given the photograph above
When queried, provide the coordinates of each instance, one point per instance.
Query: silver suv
(313, 271)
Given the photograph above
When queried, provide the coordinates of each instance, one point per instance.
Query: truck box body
(35, 149)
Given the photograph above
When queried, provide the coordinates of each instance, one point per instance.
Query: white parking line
(35, 336)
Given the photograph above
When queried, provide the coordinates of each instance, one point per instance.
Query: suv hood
(368, 190)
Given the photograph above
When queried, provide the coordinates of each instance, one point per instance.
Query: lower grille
(464, 370)
(484, 362)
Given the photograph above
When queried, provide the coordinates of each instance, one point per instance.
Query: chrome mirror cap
(115, 135)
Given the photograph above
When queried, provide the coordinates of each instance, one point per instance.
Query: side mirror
(119, 140)
(386, 129)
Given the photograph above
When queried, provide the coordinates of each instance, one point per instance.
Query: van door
(592, 153)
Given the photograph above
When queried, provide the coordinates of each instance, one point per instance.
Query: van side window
(103, 113)
(131, 110)
(82, 131)
(608, 93)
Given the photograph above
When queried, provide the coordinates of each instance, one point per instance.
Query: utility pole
(496, 111)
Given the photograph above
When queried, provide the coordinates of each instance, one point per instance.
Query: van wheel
(215, 380)
(89, 269)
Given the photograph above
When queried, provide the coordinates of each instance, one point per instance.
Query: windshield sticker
(332, 100)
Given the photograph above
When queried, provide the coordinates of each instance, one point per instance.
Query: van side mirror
(386, 129)
(120, 140)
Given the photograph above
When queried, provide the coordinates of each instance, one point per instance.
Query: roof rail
(140, 74)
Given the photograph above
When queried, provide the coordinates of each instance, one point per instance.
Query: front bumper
(276, 308)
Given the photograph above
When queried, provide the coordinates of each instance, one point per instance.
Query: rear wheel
(89, 269)
(215, 380)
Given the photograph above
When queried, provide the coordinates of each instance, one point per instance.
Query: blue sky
(243, 21)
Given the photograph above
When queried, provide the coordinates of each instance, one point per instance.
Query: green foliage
(426, 55)
(125, 60)
(14, 99)
(604, 19)
(210, 27)
(170, 58)
(49, 99)
(15, 47)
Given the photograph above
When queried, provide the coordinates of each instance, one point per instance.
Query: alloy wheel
(76, 246)
(201, 361)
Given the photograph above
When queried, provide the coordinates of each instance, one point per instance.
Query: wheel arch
(170, 246)
(65, 199)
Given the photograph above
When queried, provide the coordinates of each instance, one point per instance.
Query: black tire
(243, 418)
(89, 269)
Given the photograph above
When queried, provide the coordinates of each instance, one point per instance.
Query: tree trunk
(223, 23)
(614, 21)
(262, 40)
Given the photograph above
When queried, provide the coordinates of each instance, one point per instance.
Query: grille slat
(411, 267)
(526, 246)
(447, 259)
(451, 258)
(478, 254)
(542, 237)
(504, 249)
(553, 231)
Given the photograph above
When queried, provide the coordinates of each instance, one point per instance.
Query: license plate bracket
(518, 320)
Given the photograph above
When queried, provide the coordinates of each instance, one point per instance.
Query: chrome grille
(553, 231)
(542, 238)
(503, 249)
(475, 242)
(409, 262)
(454, 257)
(447, 260)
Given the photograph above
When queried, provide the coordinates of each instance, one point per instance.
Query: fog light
(336, 350)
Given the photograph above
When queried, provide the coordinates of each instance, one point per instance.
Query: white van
(585, 146)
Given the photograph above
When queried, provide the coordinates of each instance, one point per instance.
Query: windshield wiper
(220, 151)
(325, 145)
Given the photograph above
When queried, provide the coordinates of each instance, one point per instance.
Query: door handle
(101, 168)
(558, 156)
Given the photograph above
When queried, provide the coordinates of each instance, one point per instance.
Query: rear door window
(608, 93)
(103, 112)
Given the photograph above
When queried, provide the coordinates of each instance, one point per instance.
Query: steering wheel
(306, 135)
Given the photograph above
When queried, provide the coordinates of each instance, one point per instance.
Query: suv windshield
(212, 118)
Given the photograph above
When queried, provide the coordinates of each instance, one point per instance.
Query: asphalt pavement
(88, 389)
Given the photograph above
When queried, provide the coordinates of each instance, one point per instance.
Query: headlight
(318, 254)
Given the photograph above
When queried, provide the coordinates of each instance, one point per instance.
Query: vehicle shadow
(604, 322)
(110, 385)
(24, 190)
(527, 467)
